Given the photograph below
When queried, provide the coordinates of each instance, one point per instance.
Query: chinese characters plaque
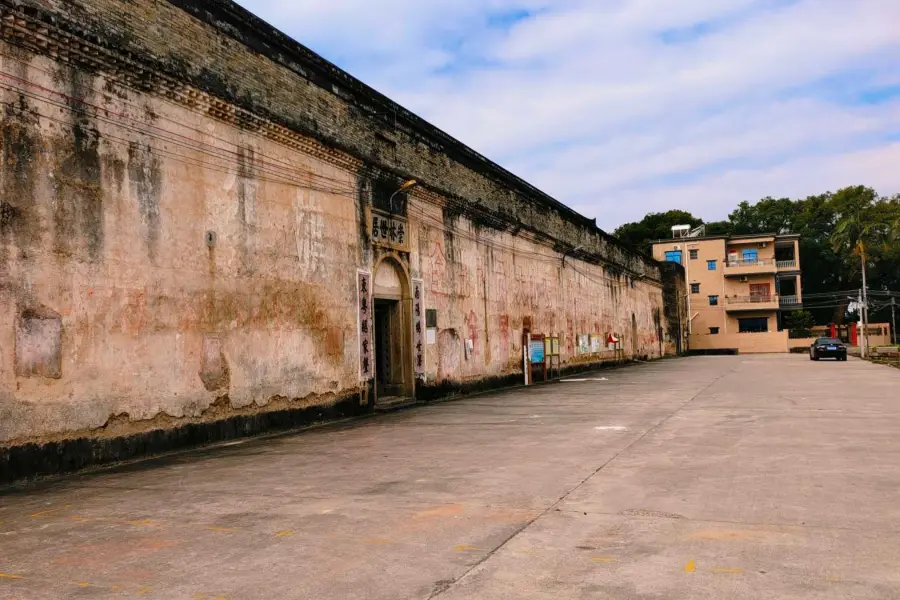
(366, 351)
(418, 308)
(390, 231)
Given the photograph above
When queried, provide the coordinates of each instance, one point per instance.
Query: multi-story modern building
(739, 288)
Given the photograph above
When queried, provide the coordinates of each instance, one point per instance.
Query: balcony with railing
(790, 301)
(741, 303)
(738, 268)
(787, 265)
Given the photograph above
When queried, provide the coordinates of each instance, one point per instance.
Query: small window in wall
(760, 290)
(673, 256)
(713, 300)
(430, 318)
(756, 325)
(711, 265)
(713, 331)
(695, 288)
(695, 254)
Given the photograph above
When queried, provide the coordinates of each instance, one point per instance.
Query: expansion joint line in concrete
(445, 588)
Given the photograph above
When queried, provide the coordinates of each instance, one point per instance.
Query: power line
(264, 167)
(161, 99)
(276, 170)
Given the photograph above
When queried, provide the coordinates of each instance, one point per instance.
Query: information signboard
(537, 351)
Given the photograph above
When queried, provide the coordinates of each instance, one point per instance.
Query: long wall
(745, 343)
(185, 211)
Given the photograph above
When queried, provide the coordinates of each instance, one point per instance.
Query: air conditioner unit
(764, 245)
(745, 279)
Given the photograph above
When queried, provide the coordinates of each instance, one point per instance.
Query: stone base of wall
(800, 345)
(35, 460)
(714, 352)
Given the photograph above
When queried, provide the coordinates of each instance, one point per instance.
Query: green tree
(769, 215)
(655, 226)
(863, 226)
(800, 323)
(719, 228)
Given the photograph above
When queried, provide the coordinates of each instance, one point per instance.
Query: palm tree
(861, 226)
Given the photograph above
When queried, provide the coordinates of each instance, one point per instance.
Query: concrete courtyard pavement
(716, 477)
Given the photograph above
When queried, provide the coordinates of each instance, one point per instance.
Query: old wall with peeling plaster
(104, 233)
(489, 286)
(165, 258)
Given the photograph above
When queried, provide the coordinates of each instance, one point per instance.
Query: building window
(673, 256)
(386, 198)
(713, 331)
(750, 255)
(711, 265)
(756, 325)
(695, 254)
(760, 292)
(713, 300)
(695, 288)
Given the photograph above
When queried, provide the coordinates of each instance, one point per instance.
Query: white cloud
(585, 99)
(717, 194)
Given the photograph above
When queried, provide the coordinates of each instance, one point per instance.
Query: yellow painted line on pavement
(603, 559)
(48, 512)
(285, 533)
(833, 579)
(728, 570)
(222, 529)
(690, 567)
(10, 576)
(143, 523)
(146, 590)
(466, 548)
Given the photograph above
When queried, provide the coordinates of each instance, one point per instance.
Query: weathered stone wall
(489, 286)
(184, 205)
(106, 210)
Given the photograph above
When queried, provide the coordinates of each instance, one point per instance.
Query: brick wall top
(224, 50)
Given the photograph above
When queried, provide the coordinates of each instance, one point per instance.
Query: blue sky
(623, 107)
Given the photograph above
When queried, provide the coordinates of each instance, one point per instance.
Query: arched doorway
(392, 323)
(634, 336)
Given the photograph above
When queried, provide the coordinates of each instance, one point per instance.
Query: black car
(828, 348)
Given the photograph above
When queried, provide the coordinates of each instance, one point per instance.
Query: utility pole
(865, 301)
(862, 325)
(894, 337)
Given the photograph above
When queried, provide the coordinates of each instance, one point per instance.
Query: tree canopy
(831, 226)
